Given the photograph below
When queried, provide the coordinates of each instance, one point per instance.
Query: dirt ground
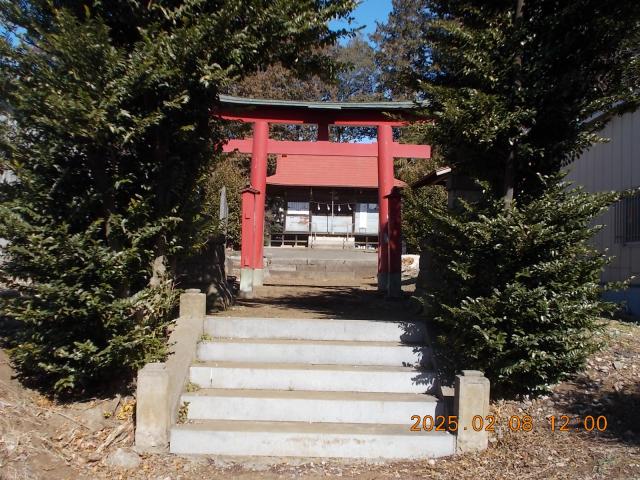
(40, 439)
(346, 298)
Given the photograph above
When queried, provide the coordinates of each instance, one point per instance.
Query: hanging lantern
(328, 207)
(339, 208)
(318, 207)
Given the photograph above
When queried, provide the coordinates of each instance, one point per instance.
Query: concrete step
(309, 406)
(300, 439)
(359, 260)
(332, 266)
(327, 264)
(312, 351)
(316, 329)
(289, 276)
(316, 276)
(292, 376)
(314, 268)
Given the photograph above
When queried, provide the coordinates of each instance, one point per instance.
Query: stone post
(153, 416)
(160, 385)
(471, 401)
(193, 303)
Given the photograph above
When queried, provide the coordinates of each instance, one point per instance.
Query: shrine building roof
(327, 171)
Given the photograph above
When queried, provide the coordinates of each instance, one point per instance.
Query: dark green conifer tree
(108, 131)
(514, 88)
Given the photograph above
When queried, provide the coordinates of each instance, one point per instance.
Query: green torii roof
(376, 106)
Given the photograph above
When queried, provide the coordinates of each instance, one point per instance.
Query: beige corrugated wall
(614, 165)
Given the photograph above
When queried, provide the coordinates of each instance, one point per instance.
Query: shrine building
(328, 201)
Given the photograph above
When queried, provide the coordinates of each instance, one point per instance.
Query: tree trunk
(510, 167)
(98, 163)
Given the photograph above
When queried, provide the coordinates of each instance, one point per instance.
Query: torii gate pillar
(389, 249)
(394, 287)
(247, 252)
(259, 182)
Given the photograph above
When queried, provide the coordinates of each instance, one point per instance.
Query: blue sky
(366, 14)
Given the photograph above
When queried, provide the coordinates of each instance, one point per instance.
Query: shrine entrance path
(356, 298)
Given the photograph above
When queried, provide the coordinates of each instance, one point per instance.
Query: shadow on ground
(332, 302)
(620, 408)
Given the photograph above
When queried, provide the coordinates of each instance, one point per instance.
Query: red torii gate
(383, 115)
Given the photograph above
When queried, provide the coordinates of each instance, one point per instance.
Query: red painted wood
(406, 150)
(385, 184)
(259, 182)
(246, 243)
(397, 150)
(363, 118)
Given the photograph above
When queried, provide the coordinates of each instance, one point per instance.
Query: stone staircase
(310, 388)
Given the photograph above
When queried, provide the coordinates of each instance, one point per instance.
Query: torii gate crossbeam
(398, 150)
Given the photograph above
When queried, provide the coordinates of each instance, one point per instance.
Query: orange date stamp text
(515, 423)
